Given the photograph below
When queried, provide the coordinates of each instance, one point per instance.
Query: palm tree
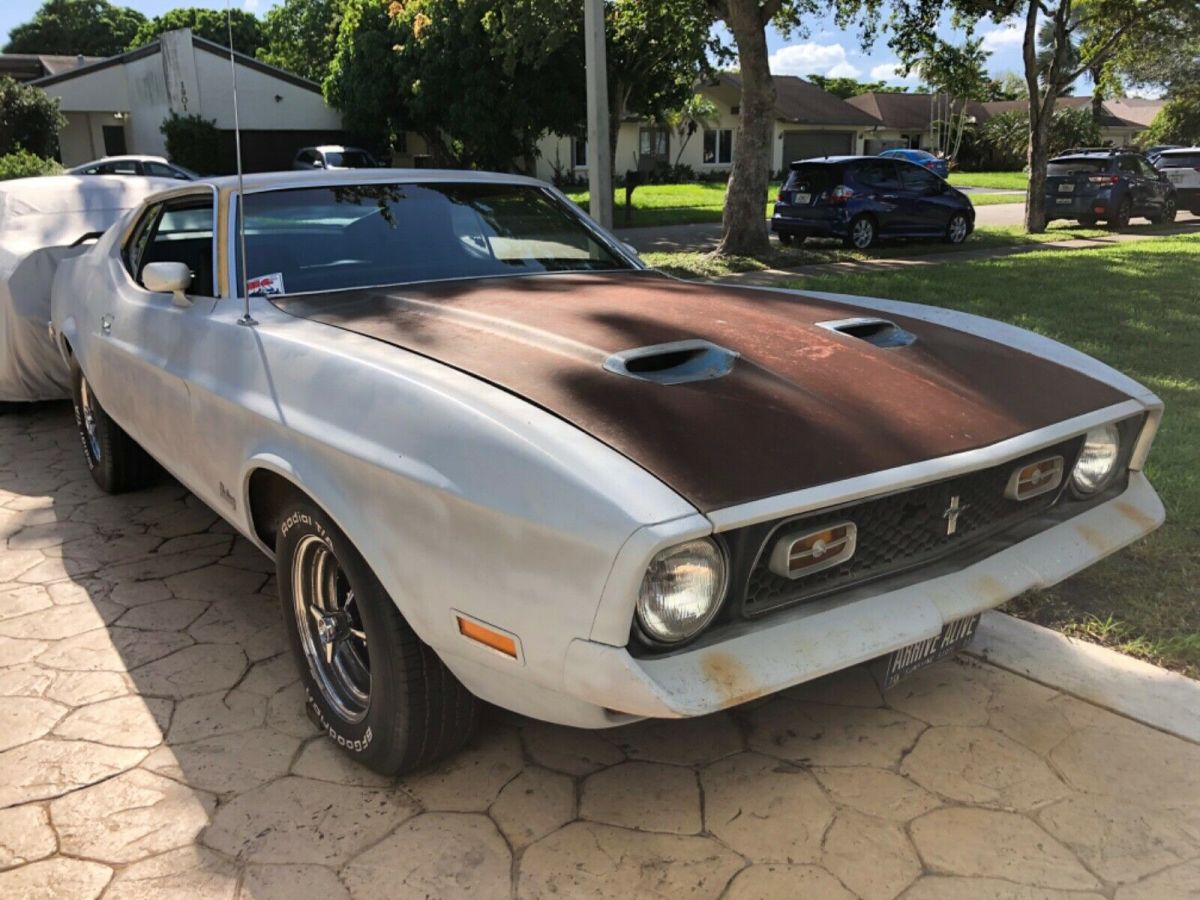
(696, 113)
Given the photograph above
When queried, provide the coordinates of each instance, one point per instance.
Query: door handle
(106, 321)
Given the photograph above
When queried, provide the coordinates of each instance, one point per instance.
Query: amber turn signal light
(487, 636)
(801, 553)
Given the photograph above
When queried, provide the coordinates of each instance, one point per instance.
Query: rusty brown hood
(801, 406)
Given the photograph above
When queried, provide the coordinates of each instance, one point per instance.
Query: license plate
(803, 198)
(1064, 199)
(1066, 188)
(955, 635)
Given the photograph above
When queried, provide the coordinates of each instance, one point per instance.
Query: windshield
(1084, 166)
(339, 238)
(349, 159)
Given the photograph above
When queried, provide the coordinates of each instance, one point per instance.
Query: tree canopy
(852, 87)
(209, 24)
(69, 27)
(29, 119)
(301, 36)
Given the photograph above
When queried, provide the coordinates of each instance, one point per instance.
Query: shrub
(23, 164)
(29, 119)
(1007, 135)
(193, 142)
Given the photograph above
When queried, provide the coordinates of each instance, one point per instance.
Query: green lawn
(817, 252)
(994, 199)
(670, 204)
(1135, 307)
(1007, 181)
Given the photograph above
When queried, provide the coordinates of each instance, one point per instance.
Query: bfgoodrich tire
(378, 691)
(117, 462)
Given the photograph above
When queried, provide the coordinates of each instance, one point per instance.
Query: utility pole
(599, 153)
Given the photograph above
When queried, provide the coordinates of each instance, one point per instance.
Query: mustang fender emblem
(953, 511)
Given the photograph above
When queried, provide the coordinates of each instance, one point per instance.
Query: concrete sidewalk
(153, 743)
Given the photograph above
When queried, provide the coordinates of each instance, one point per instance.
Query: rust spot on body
(1095, 538)
(992, 589)
(727, 676)
(1135, 515)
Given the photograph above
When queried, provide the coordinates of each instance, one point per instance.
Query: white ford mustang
(495, 457)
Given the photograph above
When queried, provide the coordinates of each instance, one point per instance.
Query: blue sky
(826, 50)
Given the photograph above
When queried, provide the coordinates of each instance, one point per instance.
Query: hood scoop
(678, 362)
(879, 332)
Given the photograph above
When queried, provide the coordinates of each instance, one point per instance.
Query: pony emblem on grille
(953, 511)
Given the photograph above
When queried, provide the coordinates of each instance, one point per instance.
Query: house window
(578, 153)
(718, 147)
(654, 144)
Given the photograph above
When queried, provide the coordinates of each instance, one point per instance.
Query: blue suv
(1090, 185)
(863, 198)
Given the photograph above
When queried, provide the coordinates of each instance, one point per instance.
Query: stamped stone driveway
(153, 744)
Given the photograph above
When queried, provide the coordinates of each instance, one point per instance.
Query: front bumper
(812, 640)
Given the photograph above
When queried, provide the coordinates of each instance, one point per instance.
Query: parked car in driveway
(861, 199)
(922, 158)
(1181, 166)
(495, 457)
(1113, 186)
(334, 156)
(142, 166)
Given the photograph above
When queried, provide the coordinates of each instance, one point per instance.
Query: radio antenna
(246, 318)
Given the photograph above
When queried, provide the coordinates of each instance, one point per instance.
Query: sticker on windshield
(265, 285)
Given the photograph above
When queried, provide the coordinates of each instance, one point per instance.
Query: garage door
(806, 144)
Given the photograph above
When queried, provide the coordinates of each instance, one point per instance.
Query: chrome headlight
(681, 591)
(1098, 461)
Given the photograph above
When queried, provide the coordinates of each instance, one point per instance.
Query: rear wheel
(1123, 215)
(862, 233)
(116, 461)
(1168, 213)
(957, 229)
(1087, 221)
(378, 691)
(785, 239)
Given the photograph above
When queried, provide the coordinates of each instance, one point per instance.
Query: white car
(147, 166)
(1181, 165)
(42, 222)
(495, 457)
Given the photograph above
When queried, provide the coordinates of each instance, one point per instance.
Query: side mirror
(168, 278)
(630, 249)
(317, 164)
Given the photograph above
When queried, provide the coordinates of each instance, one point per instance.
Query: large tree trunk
(744, 231)
(1041, 107)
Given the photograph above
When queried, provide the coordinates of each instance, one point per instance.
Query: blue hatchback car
(922, 158)
(863, 198)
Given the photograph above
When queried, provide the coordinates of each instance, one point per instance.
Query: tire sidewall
(854, 227)
(98, 467)
(366, 740)
(950, 229)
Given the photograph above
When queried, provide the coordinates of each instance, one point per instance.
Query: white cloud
(1005, 36)
(812, 58)
(891, 72)
(250, 5)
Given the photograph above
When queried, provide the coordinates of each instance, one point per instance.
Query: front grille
(901, 531)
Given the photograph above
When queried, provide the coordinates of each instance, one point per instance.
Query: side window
(184, 233)
(1128, 165)
(157, 169)
(135, 248)
(878, 173)
(918, 180)
(1148, 171)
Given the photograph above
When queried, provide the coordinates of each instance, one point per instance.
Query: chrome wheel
(862, 234)
(1169, 211)
(87, 407)
(958, 229)
(331, 629)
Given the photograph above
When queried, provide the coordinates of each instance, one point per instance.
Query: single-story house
(808, 122)
(905, 119)
(32, 66)
(117, 105)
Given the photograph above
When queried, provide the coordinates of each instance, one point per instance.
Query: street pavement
(153, 743)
